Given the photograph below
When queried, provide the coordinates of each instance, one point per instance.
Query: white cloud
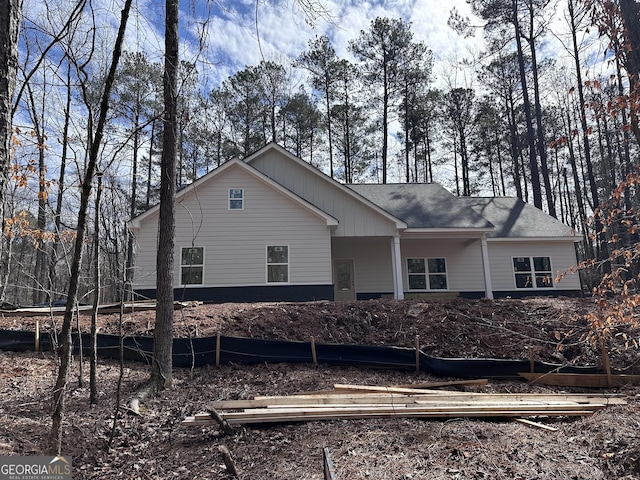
(234, 39)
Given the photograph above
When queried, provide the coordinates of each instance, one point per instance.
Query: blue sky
(224, 37)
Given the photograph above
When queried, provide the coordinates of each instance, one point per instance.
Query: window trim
(427, 274)
(533, 273)
(183, 265)
(267, 264)
(231, 199)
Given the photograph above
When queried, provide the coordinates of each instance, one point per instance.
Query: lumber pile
(128, 307)
(588, 380)
(362, 402)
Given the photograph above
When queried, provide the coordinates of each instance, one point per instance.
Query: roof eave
(559, 238)
(448, 232)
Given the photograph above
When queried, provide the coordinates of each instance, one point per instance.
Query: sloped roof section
(426, 205)
(515, 218)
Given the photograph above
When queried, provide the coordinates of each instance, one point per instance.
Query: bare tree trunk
(93, 361)
(10, 13)
(161, 369)
(541, 143)
(39, 284)
(55, 249)
(59, 392)
(630, 11)
(533, 161)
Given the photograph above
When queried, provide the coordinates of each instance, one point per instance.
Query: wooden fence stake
(313, 351)
(531, 362)
(228, 461)
(606, 365)
(417, 353)
(218, 349)
(329, 471)
(37, 345)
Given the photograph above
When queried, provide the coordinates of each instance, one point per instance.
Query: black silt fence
(221, 350)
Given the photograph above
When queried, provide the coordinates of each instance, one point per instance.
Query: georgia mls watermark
(35, 468)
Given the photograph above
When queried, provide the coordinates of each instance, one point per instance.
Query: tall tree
(382, 49)
(459, 110)
(321, 60)
(619, 22)
(36, 112)
(502, 78)
(245, 111)
(536, 28)
(10, 13)
(161, 368)
(59, 392)
(301, 125)
(415, 74)
(135, 101)
(351, 123)
(503, 24)
(273, 85)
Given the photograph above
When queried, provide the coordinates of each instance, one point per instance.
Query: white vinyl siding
(561, 254)
(235, 244)
(145, 250)
(463, 261)
(356, 219)
(371, 262)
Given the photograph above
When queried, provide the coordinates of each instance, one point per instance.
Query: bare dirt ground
(154, 445)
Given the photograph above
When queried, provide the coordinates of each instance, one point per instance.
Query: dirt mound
(550, 329)
(154, 444)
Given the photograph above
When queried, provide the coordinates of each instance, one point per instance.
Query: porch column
(487, 271)
(396, 265)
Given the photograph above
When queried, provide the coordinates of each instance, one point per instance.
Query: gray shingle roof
(515, 218)
(430, 205)
(426, 205)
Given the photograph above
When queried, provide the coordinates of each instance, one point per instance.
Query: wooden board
(591, 380)
(367, 401)
(354, 398)
(88, 309)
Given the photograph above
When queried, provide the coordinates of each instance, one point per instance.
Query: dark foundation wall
(536, 293)
(310, 293)
(267, 293)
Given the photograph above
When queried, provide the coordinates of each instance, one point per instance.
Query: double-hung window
(533, 272)
(427, 274)
(192, 265)
(277, 264)
(236, 199)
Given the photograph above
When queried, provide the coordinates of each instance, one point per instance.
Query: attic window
(427, 274)
(533, 272)
(236, 199)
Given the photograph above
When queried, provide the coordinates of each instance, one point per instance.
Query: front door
(344, 285)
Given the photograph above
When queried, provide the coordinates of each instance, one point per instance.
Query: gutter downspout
(396, 265)
(487, 271)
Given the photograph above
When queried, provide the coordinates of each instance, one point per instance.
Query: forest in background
(87, 143)
(543, 129)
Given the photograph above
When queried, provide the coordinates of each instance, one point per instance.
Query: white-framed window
(191, 265)
(277, 264)
(427, 273)
(236, 199)
(533, 272)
